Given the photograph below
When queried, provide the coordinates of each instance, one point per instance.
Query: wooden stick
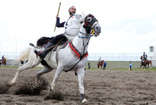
(57, 14)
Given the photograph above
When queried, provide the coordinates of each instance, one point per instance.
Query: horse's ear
(79, 17)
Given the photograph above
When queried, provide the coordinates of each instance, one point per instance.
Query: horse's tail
(150, 62)
(25, 54)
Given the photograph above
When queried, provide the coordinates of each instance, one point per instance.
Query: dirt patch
(101, 88)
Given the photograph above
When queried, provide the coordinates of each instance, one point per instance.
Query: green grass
(125, 69)
(119, 66)
(111, 66)
(10, 67)
(116, 64)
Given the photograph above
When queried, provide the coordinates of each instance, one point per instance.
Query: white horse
(71, 58)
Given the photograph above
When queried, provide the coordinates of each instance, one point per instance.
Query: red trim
(76, 52)
(39, 53)
(85, 55)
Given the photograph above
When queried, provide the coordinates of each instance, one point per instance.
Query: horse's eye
(89, 19)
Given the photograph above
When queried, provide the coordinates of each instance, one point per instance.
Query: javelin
(57, 14)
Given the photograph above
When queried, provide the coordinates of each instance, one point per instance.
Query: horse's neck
(81, 43)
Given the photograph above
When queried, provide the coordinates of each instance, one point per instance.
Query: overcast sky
(128, 26)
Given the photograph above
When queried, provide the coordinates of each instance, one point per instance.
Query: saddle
(145, 60)
(61, 44)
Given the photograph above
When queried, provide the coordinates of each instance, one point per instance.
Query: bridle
(89, 23)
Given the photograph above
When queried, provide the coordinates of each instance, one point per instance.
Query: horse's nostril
(98, 29)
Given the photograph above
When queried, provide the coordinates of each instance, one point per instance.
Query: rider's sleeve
(58, 24)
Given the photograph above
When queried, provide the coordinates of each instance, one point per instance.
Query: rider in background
(99, 60)
(71, 31)
(2, 57)
(144, 56)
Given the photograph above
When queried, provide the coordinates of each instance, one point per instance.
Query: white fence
(92, 56)
(115, 56)
(9, 55)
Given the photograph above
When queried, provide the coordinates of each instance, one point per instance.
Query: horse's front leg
(27, 65)
(57, 74)
(41, 72)
(141, 65)
(81, 73)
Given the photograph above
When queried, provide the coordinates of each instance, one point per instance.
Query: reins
(89, 35)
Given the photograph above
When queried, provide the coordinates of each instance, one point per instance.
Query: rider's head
(72, 10)
(144, 52)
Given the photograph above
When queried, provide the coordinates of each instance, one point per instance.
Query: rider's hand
(56, 16)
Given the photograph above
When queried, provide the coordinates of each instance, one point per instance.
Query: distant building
(152, 55)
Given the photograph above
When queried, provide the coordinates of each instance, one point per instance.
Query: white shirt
(99, 59)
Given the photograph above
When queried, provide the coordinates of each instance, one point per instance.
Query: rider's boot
(42, 54)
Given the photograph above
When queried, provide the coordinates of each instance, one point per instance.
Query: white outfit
(99, 59)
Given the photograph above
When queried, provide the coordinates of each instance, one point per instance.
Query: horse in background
(3, 62)
(146, 62)
(100, 64)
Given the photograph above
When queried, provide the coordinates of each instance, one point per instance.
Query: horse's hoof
(36, 85)
(10, 83)
(47, 97)
(84, 100)
(4, 88)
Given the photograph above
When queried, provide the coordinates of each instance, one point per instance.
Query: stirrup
(40, 54)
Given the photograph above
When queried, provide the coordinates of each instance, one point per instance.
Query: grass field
(119, 66)
(111, 65)
(116, 64)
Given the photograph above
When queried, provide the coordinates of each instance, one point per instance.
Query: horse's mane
(43, 40)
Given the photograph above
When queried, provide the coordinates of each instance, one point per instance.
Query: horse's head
(141, 57)
(91, 25)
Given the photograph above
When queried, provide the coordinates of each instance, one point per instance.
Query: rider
(144, 57)
(71, 31)
(99, 60)
(2, 57)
